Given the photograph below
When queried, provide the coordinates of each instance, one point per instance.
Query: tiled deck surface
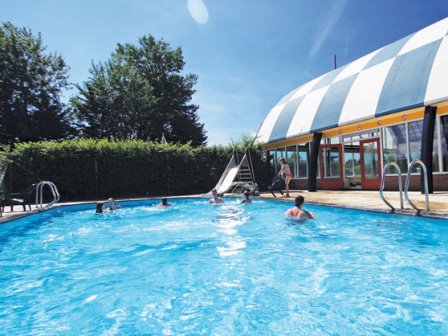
(370, 200)
(356, 199)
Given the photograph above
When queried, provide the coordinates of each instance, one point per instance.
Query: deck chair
(24, 198)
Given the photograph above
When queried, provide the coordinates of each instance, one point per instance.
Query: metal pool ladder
(383, 178)
(425, 180)
(39, 194)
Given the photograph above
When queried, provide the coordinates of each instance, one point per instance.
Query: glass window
(395, 147)
(352, 158)
(291, 159)
(361, 136)
(370, 156)
(330, 141)
(279, 153)
(348, 164)
(302, 156)
(444, 141)
(435, 148)
(415, 129)
(271, 159)
(331, 162)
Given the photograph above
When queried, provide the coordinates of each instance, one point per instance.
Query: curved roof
(408, 73)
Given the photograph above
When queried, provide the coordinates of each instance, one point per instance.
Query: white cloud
(330, 23)
(198, 11)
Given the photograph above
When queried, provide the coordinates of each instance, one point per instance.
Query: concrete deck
(370, 200)
(354, 199)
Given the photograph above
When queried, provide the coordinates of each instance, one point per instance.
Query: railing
(39, 194)
(383, 178)
(425, 180)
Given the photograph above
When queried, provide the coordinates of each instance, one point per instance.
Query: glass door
(370, 164)
(331, 176)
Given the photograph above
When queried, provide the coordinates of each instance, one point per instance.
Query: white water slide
(228, 180)
(230, 174)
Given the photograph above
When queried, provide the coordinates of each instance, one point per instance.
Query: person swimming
(247, 198)
(99, 207)
(215, 198)
(164, 202)
(112, 205)
(297, 213)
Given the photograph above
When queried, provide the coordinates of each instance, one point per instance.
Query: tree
(140, 93)
(31, 83)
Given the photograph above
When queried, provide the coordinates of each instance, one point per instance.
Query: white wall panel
(303, 119)
(363, 97)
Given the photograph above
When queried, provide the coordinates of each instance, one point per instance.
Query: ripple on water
(228, 269)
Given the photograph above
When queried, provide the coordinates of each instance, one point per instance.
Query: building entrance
(331, 176)
(370, 163)
(362, 161)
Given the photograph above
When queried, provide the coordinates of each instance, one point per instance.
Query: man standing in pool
(112, 205)
(297, 212)
(247, 198)
(215, 198)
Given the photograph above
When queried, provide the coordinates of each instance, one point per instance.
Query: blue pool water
(199, 269)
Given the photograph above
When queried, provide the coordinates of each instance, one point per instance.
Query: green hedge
(92, 169)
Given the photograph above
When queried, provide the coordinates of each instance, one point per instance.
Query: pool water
(200, 269)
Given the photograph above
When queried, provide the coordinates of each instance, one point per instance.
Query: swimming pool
(198, 269)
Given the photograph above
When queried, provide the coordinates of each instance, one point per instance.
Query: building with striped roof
(339, 130)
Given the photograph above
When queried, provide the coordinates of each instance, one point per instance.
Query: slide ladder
(238, 176)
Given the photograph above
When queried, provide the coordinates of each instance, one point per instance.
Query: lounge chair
(24, 198)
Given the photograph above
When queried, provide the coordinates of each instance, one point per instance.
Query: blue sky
(246, 53)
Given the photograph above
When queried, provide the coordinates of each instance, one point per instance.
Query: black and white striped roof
(408, 73)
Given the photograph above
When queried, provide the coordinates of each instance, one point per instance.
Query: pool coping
(411, 213)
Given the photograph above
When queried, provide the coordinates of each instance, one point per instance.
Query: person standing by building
(285, 173)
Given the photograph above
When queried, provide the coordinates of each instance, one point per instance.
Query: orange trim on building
(374, 123)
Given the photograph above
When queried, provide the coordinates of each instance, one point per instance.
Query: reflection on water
(229, 269)
(229, 218)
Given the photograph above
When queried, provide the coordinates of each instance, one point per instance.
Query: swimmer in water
(99, 207)
(297, 213)
(164, 203)
(215, 198)
(112, 205)
(247, 198)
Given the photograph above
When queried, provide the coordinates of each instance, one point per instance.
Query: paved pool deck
(353, 199)
(370, 200)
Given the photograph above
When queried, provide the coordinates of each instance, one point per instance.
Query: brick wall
(440, 182)
(300, 184)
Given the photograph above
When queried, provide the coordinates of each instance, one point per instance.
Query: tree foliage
(31, 82)
(138, 94)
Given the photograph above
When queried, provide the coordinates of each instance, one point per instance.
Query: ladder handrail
(383, 178)
(3, 174)
(39, 194)
(425, 180)
(251, 166)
